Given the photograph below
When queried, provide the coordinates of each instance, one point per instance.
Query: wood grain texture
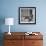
(20, 39)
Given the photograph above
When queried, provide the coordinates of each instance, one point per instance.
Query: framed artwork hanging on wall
(27, 15)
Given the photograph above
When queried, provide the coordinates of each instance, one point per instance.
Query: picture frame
(27, 15)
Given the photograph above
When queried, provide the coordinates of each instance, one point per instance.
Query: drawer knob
(33, 42)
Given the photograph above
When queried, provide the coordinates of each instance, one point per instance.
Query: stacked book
(30, 33)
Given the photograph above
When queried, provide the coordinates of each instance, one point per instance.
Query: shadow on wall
(2, 21)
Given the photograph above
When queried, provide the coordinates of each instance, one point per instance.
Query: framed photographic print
(27, 15)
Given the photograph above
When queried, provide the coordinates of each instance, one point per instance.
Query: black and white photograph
(27, 15)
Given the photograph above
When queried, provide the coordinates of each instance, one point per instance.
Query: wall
(9, 8)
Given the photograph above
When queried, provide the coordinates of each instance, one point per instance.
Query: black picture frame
(27, 15)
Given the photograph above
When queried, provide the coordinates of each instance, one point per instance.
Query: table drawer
(13, 43)
(33, 43)
(16, 37)
(34, 37)
(9, 42)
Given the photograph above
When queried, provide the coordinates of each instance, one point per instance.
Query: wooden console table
(20, 39)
